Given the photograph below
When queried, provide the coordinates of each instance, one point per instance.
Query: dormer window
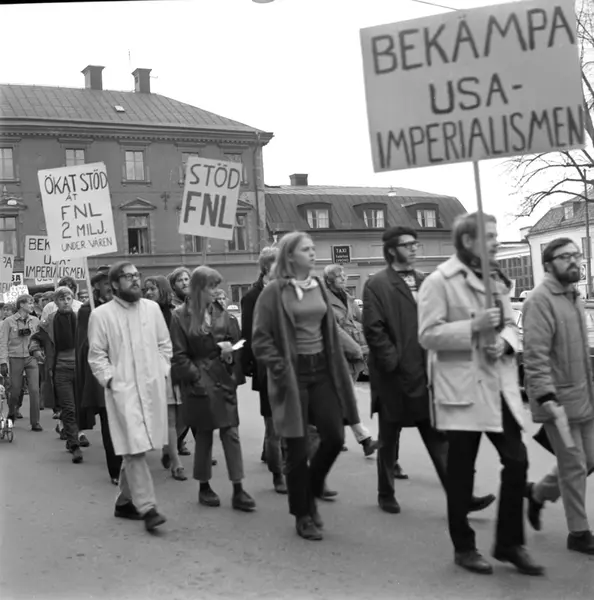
(318, 218)
(374, 218)
(427, 217)
(568, 212)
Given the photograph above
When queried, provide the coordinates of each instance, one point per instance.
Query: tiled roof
(555, 217)
(283, 214)
(98, 106)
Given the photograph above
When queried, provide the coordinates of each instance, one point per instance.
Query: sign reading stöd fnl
(77, 209)
(341, 254)
(502, 80)
(209, 203)
(40, 267)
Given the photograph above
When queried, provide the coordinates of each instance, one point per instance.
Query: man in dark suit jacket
(272, 452)
(397, 364)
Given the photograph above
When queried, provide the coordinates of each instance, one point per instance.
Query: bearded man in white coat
(129, 354)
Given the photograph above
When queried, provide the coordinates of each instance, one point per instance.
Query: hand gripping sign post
(78, 215)
(209, 204)
(489, 82)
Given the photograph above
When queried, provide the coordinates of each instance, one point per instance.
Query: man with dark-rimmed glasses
(129, 354)
(558, 377)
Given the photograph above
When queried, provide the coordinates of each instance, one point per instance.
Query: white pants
(136, 483)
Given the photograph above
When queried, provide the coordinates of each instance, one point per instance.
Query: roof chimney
(142, 81)
(93, 77)
(298, 179)
(525, 231)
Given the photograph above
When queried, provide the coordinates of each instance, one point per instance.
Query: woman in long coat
(158, 290)
(296, 338)
(206, 370)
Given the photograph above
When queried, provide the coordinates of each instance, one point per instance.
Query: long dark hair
(164, 288)
(201, 278)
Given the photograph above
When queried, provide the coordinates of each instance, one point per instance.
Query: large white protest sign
(6, 268)
(489, 82)
(77, 208)
(40, 267)
(210, 198)
(14, 292)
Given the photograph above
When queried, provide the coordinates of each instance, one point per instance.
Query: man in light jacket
(473, 379)
(559, 382)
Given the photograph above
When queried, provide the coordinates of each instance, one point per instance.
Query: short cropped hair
(68, 282)
(549, 252)
(391, 239)
(331, 273)
(468, 224)
(62, 291)
(266, 259)
(23, 300)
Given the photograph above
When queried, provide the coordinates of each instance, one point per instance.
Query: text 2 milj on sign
(468, 85)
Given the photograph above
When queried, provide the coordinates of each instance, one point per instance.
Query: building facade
(515, 260)
(144, 139)
(347, 223)
(566, 220)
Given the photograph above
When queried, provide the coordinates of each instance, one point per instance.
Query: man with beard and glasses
(473, 379)
(397, 365)
(558, 376)
(90, 395)
(129, 354)
(54, 344)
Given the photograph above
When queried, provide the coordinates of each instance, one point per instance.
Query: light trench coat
(129, 343)
(465, 387)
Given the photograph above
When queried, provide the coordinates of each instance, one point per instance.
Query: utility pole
(588, 240)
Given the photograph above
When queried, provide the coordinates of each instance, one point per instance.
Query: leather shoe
(328, 495)
(389, 505)
(519, 557)
(207, 497)
(243, 501)
(127, 511)
(399, 473)
(474, 562)
(152, 520)
(581, 542)
(479, 503)
(307, 529)
(534, 508)
(280, 487)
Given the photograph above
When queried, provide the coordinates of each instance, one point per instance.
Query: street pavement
(59, 538)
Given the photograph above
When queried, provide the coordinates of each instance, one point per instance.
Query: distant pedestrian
(129, 354)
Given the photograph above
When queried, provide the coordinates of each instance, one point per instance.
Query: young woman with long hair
(295, 337)
(205, 368)
(158, 290)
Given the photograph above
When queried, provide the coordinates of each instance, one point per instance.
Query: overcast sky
(292, 67)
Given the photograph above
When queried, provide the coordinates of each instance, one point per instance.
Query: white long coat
(129, 343)
(466, 388)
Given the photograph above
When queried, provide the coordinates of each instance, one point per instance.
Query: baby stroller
(6, 424)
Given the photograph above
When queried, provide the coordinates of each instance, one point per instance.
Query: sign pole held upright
(89, 286)
(485, 262)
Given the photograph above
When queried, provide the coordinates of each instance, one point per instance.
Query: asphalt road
(59, 538)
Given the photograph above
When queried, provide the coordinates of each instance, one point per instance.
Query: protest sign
(17, 278)
(6, 269)
(14, 292)
(210, 198)
(40, 267)
(77, 208)
(489, 82)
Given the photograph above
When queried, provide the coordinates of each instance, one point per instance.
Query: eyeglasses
(567, 256)
(131, 276)
(409, 245)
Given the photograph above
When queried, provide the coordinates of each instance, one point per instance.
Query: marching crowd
(157, 359)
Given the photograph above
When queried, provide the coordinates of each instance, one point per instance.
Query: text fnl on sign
(468, 85)
(77, 209)
(211, 193)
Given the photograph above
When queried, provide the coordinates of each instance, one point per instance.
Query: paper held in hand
(563, 426)
(238, 346)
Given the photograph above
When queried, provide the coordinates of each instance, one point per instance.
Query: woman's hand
(226, 352)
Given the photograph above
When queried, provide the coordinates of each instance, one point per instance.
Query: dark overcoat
(274, 343)
(208, 386)
(43, 340)
(397, 362)
(249, 361)
(90, 394)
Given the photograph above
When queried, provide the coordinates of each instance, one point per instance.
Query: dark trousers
(321, 406)
(462, 451)
(64, 391)
(114, 463)
(389, 439)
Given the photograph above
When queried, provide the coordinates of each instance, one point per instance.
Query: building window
(318, 218)
(238, 292)
(194, 243)
(8, 234)
(74, 157)
(138, 234)
(135, 165)
(239, 240)
(6, 163)
(568, 211)
(237, 158)
(427, 218)
(374, 218)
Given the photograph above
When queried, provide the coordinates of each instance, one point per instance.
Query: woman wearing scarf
(295, 337)
(205, 368)
(348, 318)
(158, 290)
